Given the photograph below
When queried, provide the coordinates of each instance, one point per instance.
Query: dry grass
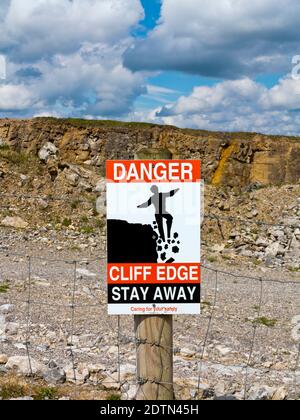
(12, 386)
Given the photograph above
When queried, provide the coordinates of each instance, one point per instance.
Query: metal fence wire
(239, 312)
(68, 200)
(242, 342)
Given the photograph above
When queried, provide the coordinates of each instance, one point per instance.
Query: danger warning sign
(153, 237)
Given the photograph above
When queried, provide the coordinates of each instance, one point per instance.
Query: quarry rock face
(237, 160)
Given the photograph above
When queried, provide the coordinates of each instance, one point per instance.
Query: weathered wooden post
(154, 338)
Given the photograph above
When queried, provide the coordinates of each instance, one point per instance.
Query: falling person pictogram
(158, 200)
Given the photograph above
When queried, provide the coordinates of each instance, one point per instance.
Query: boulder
(14, 222)
(47, 151)
(280, 394)
(273, 250)
(3, 359)
(261, 393)
(101, 186)
(6, 309)
(78, 376)
(21, 365)
(11, 328)
(55, 376)
(101, 206)
(2, 324)
(72, 178)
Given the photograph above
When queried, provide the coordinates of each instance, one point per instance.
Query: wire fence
(69, 199)
(242, 339)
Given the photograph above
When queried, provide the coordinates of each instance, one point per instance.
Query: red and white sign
(153, 234)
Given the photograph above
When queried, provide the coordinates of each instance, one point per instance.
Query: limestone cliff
(237, 159)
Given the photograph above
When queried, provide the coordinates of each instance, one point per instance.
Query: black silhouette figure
(158, 200)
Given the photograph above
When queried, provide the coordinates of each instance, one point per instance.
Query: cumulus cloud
(240, 105)
(33, 29)
(221, 38)
(16, 98)
(66, 56)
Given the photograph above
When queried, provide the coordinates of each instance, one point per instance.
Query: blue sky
(181, 83)
(178, 82)
(210, 64)
(152, 14)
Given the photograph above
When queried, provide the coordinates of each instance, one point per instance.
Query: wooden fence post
(154, 339)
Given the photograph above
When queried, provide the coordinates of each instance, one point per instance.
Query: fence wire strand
(255, 327)
(209, 326)
(209, 216)
(123, 337)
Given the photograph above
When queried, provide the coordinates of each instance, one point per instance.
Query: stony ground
(241, 316)
(58, 217)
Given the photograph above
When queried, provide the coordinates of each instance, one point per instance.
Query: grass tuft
(11, 390)
(4, 288)
(114, 397)
(45, 393)
(266, 322)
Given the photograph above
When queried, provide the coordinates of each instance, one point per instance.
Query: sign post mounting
(153, 228)
(154, 207)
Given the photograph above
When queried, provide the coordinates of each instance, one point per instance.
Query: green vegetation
(114, 397)
(87, 230)
(270, 323)
(75, 204)
(84, 219)
(257, 262)
(45, 393)
(4, 288)
(211, 259)
(75, 248)
(82, 123)
(21, 159)
(206, 303)
(226, 257)
(12, 156)
(66, 222)
(100, 223)
(4, 147)
(11, 390)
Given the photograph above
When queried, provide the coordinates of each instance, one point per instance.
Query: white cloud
(153, 89)
(221, 38)
(33, 29)
(67, 56)
(92, 80)
(241, 105)
(16, 98)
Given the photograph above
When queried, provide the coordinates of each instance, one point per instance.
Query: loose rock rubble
(53, 208)
(277, 246)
